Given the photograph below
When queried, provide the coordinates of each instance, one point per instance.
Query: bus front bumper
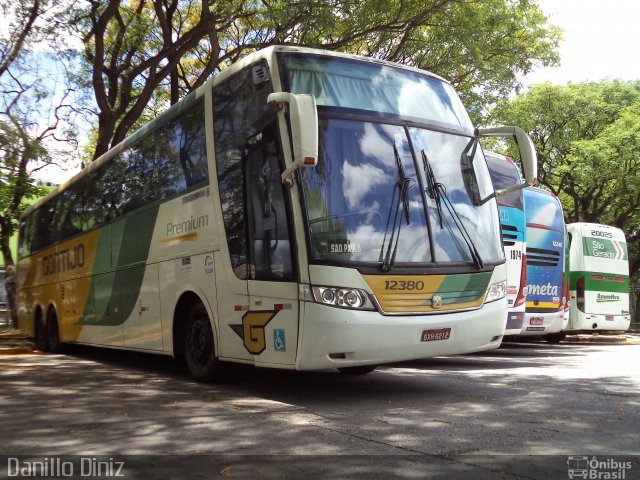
(336, 338)
(542, 323)
(515, 320)
(600, 322)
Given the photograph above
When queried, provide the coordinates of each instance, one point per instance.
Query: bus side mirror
(525, 145)
(303, 118)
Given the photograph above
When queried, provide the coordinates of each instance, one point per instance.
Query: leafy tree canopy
(30, 116)
(587, 137)
(140, 56)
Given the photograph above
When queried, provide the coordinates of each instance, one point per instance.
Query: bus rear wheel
(41, 333)
(53, 333)
(363, 370)
(199, 349)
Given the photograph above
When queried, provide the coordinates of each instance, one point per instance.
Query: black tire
(555, 338)
(42, 336)
(363, 370)
(199, 349)
(53, 333)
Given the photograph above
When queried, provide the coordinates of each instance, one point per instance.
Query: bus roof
(584, 228)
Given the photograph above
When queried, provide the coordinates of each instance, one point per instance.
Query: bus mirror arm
(303, 119)
(504, 191)
(525, 146)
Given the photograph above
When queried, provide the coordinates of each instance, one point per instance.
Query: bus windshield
(374, 87)
(543, 211)
(356, 210)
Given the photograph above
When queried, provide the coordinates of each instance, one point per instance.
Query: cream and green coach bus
(599, 278)
(302, 210)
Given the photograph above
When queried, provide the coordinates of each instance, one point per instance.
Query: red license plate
(433, 335)
(536, 321)
(608, 318)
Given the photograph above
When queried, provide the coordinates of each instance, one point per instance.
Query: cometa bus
(546, 287)
(301, 210)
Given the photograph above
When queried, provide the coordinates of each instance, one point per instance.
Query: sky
(601, 41)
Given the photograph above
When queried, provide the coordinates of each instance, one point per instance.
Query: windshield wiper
(432, 186)
(468, 173)
(388, 255)
(437, 192)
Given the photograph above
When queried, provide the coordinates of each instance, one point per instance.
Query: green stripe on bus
(113, 294)
(596, 285)
(466, 287)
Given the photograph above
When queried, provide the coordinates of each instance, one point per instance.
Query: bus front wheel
(363, 370)
(199, 350)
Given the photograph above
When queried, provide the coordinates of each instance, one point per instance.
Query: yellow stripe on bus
(543, 305)
(416, 293)
(61, 276)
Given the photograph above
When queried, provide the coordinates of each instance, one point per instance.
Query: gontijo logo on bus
(65, 260)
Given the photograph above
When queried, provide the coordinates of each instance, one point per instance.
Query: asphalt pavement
(529, 410)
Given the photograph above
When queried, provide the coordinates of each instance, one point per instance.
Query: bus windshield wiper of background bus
(599, 278)
(282, 215)
(546, 293)
(505, 173)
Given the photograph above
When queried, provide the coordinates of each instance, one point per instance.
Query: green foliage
(17, 149)
(587, 138)
(34, 112)
(140, 56)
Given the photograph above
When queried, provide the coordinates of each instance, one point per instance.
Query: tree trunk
(10, 279)
(11, 287)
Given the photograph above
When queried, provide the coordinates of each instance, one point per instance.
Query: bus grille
(509, 234)
(541, 257)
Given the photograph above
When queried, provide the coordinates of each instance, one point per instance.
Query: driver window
(269, 246)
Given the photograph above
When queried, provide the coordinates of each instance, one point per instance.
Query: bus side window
(42, 226)
(24, 242)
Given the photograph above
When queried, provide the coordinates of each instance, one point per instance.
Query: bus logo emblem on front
(252, 330)
(436, 301)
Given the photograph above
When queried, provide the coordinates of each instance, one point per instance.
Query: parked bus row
(302, 210)
(560, 278)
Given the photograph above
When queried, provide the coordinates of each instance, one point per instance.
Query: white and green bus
(302, 210)
(599, 278)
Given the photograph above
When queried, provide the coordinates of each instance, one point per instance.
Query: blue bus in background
(546, 296)
(504, 173)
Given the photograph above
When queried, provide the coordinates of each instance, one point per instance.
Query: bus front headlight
(353, 298)
(496, 292)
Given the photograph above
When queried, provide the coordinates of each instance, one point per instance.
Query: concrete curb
(584, 338)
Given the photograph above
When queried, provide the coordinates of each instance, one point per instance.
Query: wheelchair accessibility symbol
(279, 342)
